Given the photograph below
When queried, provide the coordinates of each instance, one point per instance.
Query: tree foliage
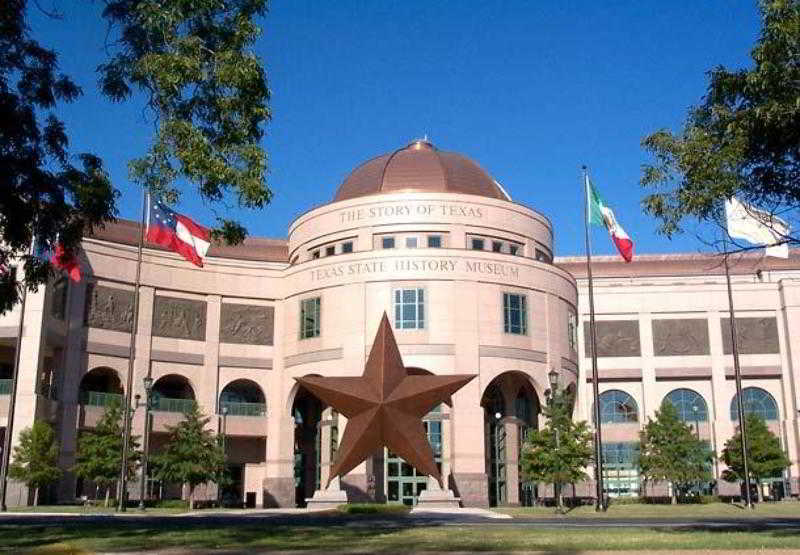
(193, 455)
(741, 140)
(559, 452)
(35, 459)
(765, 457)
(207, 91)
(44, 190)
(670, 451)
(99, 455)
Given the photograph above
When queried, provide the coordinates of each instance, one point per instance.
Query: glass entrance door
(403, 482)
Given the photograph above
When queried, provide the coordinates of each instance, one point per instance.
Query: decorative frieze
(754, 336)
(179, 318)
(247, 324)
(680, 337)
(615, 338)
(108, 308)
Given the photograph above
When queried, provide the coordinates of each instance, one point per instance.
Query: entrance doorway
(404, 483)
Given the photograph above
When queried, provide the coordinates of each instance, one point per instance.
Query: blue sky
(529, 90)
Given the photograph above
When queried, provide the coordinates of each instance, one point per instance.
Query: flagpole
(12, 402)
(738, 376)
(598, 436)
(126, 418)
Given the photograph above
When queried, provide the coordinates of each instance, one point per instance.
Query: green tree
(670, 451)
(43, 193)
(35, 459)
(99, 455)
(559, 452)
(741, 140)
(193, 454)
(206, 90)
(765, 457)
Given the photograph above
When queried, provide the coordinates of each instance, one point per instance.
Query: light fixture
(498, 416)
(553, 377)
(148, 383)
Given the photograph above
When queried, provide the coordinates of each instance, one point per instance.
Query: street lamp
(224, 454)
(552, 377)
(696, 411)
(148, 387)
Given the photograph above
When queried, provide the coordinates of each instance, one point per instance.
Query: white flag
(757, 226)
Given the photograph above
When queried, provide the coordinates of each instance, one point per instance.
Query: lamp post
(224, 454)
(696, 411)
(148, 387)
(122, 485)
(552, 377)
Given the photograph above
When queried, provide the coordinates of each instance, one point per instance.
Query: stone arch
(173, 393)
(511, 407)
(689, 404)
(756, 401)
(243, 397)
(100, 386)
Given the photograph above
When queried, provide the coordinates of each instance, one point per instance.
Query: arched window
(617, 407)
(690, 405)
(756, 401)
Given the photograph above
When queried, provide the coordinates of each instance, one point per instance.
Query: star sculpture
(384, 407)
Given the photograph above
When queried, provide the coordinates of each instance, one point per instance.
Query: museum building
(470, 284)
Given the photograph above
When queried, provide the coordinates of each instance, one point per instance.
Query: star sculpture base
(385, 406)
(329, 498)
(434, 497)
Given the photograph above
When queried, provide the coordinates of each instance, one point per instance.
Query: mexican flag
(600, 214)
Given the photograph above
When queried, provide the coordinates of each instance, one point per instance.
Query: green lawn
(109, 537)
(712, 510)
(78, 509)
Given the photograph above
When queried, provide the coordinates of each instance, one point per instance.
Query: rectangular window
(515, 314)
(513, 249)
(309, 318)
(315, 254)
(497, 246)
(347, 247)
(59, 299)
(477, 244)
(572, 330)
(387, 243)
(409, 309)
(435, 241)
(330, 251)
(411, 242)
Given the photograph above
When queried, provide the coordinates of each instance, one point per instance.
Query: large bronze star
(384, 407)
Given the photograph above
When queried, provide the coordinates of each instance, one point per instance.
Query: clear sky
(530, 90)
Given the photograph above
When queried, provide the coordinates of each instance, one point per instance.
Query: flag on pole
(63, 261)
(600, 214)
(757, 226)
(176, 232)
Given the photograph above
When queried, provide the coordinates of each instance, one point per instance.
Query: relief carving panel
(247, 324)
(179, 318)
(754, 336)
(615, 338)
(108, 308)
(682, 337)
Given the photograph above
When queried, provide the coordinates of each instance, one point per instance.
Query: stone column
(141, 368)
(27, 401)
(68, 386)
(511, 427)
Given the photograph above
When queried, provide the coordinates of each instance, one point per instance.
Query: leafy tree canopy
(35, 459)
(741, 140)
(765, 458)
(206, 90)
(193, 455)
(670, 451)
(44, 190)
(559, 452)
(99, 455)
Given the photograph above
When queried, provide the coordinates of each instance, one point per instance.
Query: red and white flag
(63, 261)
(600, 214)
(178, 233)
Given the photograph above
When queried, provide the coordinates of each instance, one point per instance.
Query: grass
(642, 510)
(67, 538)
(92, 509)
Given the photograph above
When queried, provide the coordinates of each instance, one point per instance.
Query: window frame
(347, 247)
(411, 242)
(614, 419)
(473, 241)
(680, 405)
(734, 410)
(386, 239)
(437, 238)
(315, 329)
(330, 250)
(419, 308)
(508, 326)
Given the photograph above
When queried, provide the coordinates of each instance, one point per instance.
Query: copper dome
(419, 168)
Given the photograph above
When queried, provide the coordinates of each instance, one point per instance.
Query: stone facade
(470, 284)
